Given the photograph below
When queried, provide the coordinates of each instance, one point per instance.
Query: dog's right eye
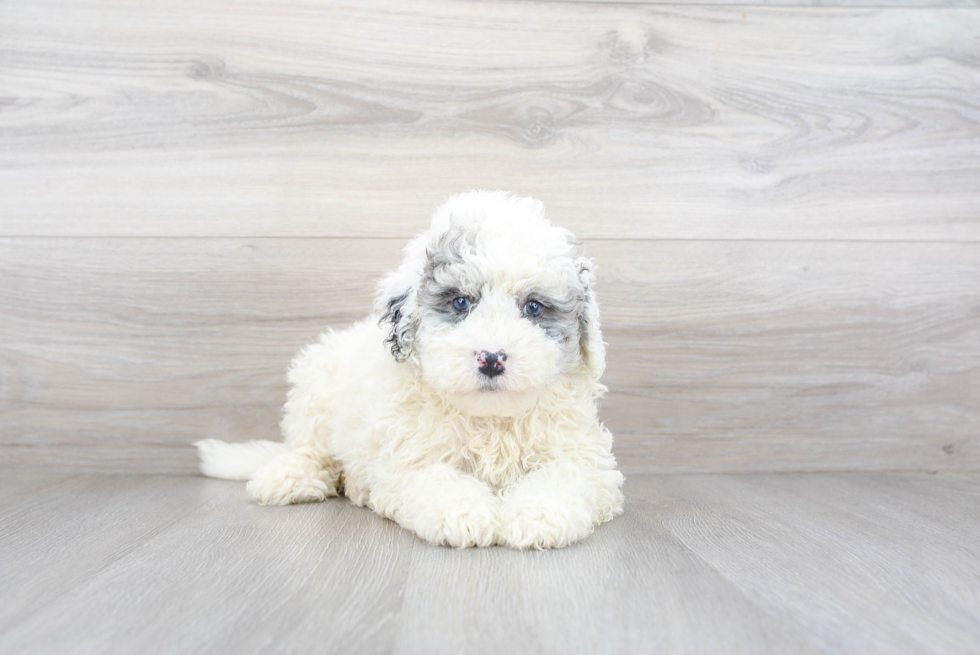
(461, 304)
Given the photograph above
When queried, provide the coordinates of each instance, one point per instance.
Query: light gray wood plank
(127, 347)
(699, 563)
(746, 356)
(933, 4)
(926, 504)
(853, 584)
(234, 577)
(115, 355)
(58, 535)
(630, 588)
(17, 483)
(355, 118)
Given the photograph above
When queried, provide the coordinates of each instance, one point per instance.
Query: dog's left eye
(461, 304)
(533, 309)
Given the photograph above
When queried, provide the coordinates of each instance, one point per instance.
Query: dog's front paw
(543, 522)
(462, 526)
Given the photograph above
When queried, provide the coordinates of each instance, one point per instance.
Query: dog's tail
(236, 461)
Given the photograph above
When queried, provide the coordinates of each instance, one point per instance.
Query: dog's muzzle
(491, 364)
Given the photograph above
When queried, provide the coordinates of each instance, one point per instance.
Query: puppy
(465, 408)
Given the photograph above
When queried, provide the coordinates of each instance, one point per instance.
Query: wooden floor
(777, 563)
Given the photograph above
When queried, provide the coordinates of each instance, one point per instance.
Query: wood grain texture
(55, 535)
(704, 564)
(932, 4)
(233, 577)
(20, 483)
(796, 356)
(785, 200)
(354, 118)
(837, 569)
(630, 588)
(116, 354)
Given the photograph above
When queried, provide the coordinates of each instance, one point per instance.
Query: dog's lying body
(465, 410)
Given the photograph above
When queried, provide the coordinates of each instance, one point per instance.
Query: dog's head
(494, 304)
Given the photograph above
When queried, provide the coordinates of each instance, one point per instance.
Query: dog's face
(493, 304)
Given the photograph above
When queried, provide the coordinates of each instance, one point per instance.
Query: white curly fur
(423, 437)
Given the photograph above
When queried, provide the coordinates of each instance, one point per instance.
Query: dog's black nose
(491, 364)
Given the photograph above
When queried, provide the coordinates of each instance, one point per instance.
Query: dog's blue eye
(461, 304)
(533, 309)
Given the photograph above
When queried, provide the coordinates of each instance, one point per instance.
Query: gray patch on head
(583, 319)
(566, 318)
(400, 338)
(560, 320)
(447, 276)
(450, 248)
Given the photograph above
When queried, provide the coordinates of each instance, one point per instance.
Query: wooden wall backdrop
(784, 202)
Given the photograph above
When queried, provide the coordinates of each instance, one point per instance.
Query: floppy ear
(397, 303)
(592, 347)
(398, 293)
